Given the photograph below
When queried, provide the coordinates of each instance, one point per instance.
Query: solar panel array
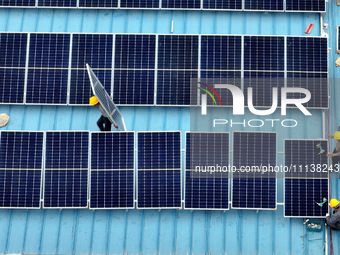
(306, 178)
(338, 40)
(254, 184)
(112, 170)
(66, 169)
(206, 173)
(255, 5)
(159, 170)
(21, 155)
(159, 69)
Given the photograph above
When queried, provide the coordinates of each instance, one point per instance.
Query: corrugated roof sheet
(165, 231)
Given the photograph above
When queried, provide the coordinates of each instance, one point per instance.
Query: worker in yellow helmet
(334, 221)
(103, 122)
(336, 153)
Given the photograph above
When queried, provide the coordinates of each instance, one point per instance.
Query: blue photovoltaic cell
(17, 3)
(159, 170)
(267, 5)
(98, 3)
(221, 52)
(131, 85)
(306, 182)
(174, 88)
(134, 87)
(338, 49)
(13, 48)
(135, 51)
(207, 190)
(303, 5)
(317, 85)
(80, 88)
(254, 189)
(20, 169)
(264, 53)
(66, 169)
(181, 4)
(57, 3)
(47, 86)
(93, 49)
(112, 170)
(12, 85)
(301, 195)
(262, 84)
(222, 4)
(307, 54)
(139, 3)
(177, 52)
(49, 50)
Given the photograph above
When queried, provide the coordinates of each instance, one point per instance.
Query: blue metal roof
(166, 231)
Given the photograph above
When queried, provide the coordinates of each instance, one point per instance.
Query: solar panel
(139, 3)
(264, 53)
(177, 65)
(306, 178)
(221, 58)
(222, 4)
(307, 54)
(96, 50)
(21, 155)
(134, 69)
(306, 6)
(307, 67)
(48, 63)
(206, 171)
(98, 3)
(106, 102)
(254, 184)
(57, 3)
(17, 3)
(263, 5)
(181, 4)
(112, 170)
(13, 48)
(159, 170)
(66, 169)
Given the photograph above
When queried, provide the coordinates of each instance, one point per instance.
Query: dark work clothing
(335, 161)
(334, 221)
(103, 120)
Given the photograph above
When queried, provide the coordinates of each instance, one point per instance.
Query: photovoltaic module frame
(159, 170)
(112, 170)
(306, 179)
(253, 185)
(21, 160)
(206, 171)
(66, 169)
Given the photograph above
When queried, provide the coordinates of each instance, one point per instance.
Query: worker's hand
(115, 126)
(327, 215)
(330, 155)
(330, 136)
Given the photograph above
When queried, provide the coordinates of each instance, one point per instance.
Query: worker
(336, 153)
(334, 221)
(104, 119)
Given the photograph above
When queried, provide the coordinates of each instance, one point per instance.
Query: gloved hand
(327, 214)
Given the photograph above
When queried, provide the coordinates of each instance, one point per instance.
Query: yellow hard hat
(94, 101)
(337, 135)
(334, 203)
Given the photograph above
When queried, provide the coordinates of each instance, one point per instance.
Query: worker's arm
(332, 221)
